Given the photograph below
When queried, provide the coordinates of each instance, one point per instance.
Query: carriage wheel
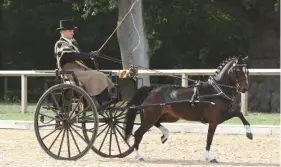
(110, 141)
(58, 120)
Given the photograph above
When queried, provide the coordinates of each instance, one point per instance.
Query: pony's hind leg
(165, 118)
(165, 132)
(148, 122)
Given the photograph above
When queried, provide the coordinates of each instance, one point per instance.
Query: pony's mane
(223, 63)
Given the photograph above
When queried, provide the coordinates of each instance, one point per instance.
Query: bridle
(234, 70)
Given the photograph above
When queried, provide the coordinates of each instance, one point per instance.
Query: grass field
(12, 112)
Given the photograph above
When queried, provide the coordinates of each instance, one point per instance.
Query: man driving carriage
(69, 57)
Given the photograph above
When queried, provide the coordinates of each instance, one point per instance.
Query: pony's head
(239, 74)
(234, 72)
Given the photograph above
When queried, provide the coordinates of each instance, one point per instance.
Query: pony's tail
(136, 100)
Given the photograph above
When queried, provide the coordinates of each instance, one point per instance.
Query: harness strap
(195, 93)
(212, 82)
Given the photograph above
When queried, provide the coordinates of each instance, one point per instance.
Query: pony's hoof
(141, 159)
(213, 161)
(163, 139)
(249, 136)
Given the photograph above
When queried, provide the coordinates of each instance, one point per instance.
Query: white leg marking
(248, 128)
(208, 156)
(138, 156)
(165, 133)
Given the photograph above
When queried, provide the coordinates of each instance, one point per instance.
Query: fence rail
(184, 73)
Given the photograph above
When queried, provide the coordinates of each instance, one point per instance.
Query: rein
(171, 75)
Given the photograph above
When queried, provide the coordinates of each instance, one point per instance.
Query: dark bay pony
(230, 78)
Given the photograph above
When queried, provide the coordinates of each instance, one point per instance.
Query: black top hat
(66, 25)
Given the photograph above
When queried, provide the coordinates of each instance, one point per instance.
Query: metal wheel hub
(66, 123)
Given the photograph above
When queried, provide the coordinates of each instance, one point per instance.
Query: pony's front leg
(246, 124)
(211, 132)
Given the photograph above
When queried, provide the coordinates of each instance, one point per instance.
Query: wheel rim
(110, 140)
(59, 116)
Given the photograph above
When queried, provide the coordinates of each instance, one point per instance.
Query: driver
(69, 57)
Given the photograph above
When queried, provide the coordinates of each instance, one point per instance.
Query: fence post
(244, 103)
(23, 93)
(184, 82)
(5, 89)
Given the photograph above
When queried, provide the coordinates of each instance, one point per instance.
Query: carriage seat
(72, 82)
(64, 75)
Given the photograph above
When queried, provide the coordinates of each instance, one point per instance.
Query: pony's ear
(239, 60)
(245, 59)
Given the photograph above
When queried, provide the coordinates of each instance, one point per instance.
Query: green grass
(254, 119)
(12, 112)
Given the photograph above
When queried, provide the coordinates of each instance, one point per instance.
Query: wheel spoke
(78, 113)
(104, 138)
(61, 142)
(110, 139)
(70, 115)
(103, 116)
(53, 118)
(63, 100)
(118, 145)
(55, 100)
(55, 140)
(86, 116)
(50, 133)
(120, 118)
(78, 133)
(95, 127)
(68, 145)
(74, 141)
(120, 114)
(123, 137)
(82, 128)
(120, 127)
(102, 131)
(40, 126)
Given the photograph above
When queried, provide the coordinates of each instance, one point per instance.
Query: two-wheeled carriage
(68, 115)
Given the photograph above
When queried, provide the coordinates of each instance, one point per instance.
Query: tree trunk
(132, 39)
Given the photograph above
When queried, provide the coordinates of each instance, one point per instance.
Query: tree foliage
(194, 33)
(181, 34)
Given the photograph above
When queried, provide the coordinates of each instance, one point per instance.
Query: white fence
(184, 73)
